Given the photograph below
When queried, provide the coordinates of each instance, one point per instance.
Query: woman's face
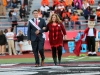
(19, 32)
(54, 18)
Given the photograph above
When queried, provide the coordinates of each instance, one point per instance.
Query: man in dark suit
(35, 37)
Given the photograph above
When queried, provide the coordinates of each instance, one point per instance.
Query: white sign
(26, 46)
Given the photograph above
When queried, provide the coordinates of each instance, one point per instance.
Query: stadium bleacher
(35, 4)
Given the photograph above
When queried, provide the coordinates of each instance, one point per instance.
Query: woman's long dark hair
(1, 32)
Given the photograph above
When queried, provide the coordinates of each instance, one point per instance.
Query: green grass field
(64, 59)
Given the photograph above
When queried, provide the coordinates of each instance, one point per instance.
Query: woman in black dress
(3, 41)
(20, 38)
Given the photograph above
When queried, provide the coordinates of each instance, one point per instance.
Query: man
(44, 9)
(74, 20)
(10, 40)
(36, 37)
(3, 4)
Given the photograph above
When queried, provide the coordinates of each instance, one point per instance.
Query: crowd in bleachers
(70, 10)
(17, 10)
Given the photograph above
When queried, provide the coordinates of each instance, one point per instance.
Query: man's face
(35, 14)
(91, 24)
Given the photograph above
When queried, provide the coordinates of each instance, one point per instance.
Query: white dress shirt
(90, 32)
(44, 8)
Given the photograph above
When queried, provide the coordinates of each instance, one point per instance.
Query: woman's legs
(54, 56)
(0, 49)
(3, 50)
(20, 46)
(59, 53)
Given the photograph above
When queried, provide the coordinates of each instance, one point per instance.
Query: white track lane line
(78, 58)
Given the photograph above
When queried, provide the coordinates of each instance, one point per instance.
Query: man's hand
(29, 42)
(37, 32)
(44, 28)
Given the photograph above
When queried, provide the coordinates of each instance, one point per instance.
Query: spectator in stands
(22, 12)
(39, 13)
(20, 38)
(14, 3)
(3, 4)
(68, 2)
(56, 32)
(78, 4)
(25, 3)
(46, 2)
(74, 21)
(19, 1)
(55, 3)
(65, 12)
(58, 12)
(66, 18)
(3, 41)
(63, 2)
(5, 31)
(8, 4)
(10, 15)
(61, 7)
(87, 12)
(98, 15)
(93, 16)
(85, 4)
(70, 9)
(15, 18)
(10, 40)
(6, 47)
(44, 10)
(98, 6)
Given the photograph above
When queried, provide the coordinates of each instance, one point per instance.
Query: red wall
(70, 35)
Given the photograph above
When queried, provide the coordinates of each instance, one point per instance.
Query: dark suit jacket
(31, 30)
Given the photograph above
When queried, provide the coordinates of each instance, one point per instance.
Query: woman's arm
(47, 28)
(63, 31)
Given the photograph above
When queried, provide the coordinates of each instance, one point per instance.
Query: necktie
(36, 22)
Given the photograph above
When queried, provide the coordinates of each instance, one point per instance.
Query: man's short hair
(34, 11)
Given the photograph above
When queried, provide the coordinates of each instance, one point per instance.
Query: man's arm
(44, 25)
(29, 31)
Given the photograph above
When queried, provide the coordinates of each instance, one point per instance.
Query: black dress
(3, 39)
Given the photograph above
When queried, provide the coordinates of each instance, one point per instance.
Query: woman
(22, 12)
(20, 38)
(56, 32)
(14, 3)
(3, 41)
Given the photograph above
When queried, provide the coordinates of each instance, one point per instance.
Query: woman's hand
(65, 37)
(44, 28)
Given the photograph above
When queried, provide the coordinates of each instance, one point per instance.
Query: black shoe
(37, 65)
(94, 55)
(89, 54)
(55, 64)
(55, 61)
(59, 62)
